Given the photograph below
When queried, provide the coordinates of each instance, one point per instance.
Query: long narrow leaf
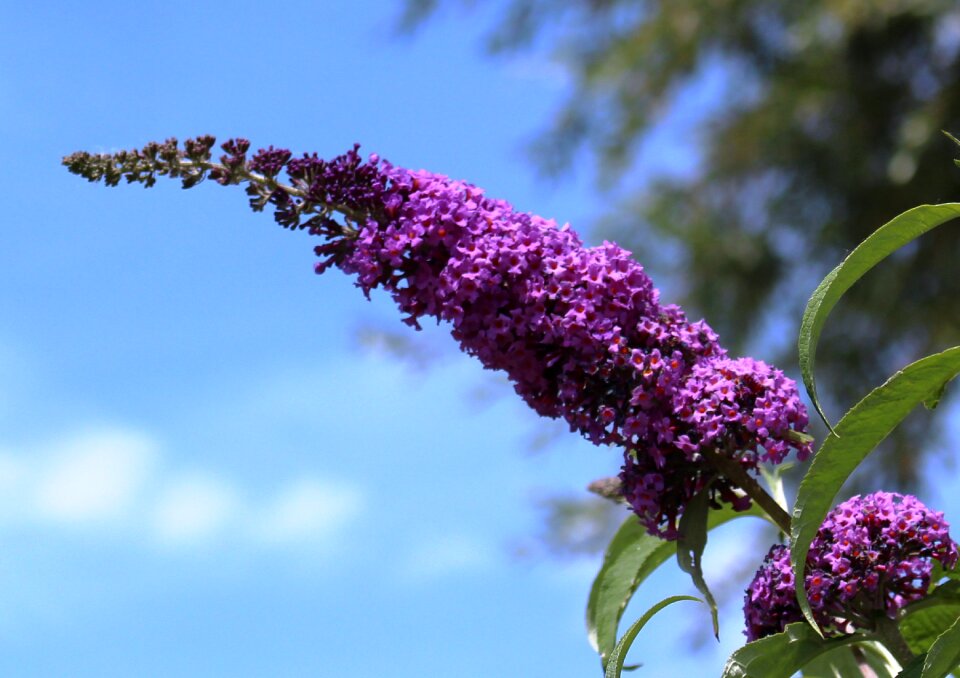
(857, 434)
(693, 540)
(619, 654)
(884, 241)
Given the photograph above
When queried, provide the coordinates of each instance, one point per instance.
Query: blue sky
(201, 471)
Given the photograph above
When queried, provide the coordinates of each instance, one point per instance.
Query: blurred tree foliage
(826, 125)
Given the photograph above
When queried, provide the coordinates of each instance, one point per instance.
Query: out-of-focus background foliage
(808, 125)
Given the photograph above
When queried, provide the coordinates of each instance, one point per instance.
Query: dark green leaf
(783, 654)
(856, 435)
(690, 545)
(944, 654)
(914, 668)
(884, 241)
(619, 654)
(633, 555)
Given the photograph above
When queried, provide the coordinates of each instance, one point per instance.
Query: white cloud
(114, 478)
(194, 508)
(308, 510)
(94, 476)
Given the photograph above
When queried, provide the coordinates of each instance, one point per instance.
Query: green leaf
(926, 619)
(944, 654)
(934, 400)
(884, 241)
(914, 668)
(921, 629)
(619, 654)
(856, 435)
(690, 545)
(633, 555)
(783, 654)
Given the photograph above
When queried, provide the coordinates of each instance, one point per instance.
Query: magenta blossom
(872, 556)
(580, 331)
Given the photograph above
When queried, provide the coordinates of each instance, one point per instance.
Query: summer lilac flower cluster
(580, 331)
(872, 556)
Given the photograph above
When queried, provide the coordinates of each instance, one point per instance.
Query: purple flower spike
(871, 557)
(580, 331)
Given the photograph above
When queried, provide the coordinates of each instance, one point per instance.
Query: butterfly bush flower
(871, 557)
(580, 331)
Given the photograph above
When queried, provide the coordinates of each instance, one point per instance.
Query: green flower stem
(888, 633)
(738, 475)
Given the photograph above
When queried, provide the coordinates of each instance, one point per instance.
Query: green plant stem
(888, 633)
(732, 470)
